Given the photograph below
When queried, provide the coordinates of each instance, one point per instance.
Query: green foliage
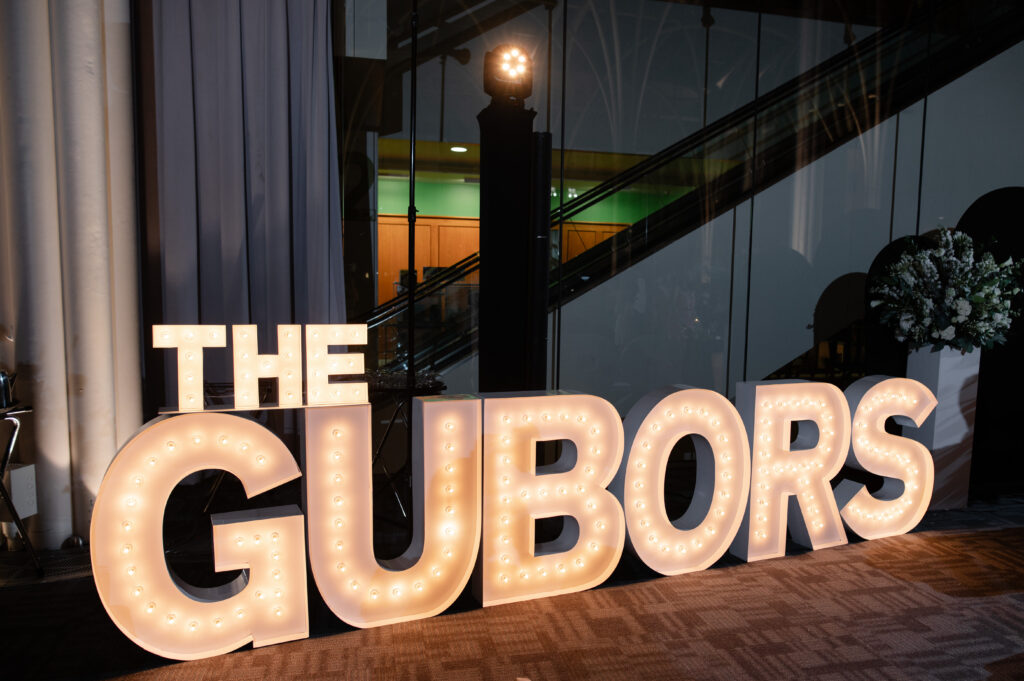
(946, 295)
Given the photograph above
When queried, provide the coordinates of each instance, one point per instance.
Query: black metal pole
(505, 330)
(536, 321)
(411, 302)
(444, 64)
(707, 21)
(547, 97)
(556, 342)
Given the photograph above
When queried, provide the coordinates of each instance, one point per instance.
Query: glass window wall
(721, 179)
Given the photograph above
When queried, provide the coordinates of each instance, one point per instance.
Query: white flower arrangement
(946, 295)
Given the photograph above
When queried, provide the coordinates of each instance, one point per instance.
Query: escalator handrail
(881, 41)
(647, 166)
(427, 287)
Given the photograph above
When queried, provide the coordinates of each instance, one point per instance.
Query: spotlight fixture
(508, 74)
(459, 150)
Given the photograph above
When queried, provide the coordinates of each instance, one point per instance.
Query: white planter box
(949, 430)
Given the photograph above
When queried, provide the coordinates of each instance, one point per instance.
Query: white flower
(951, 282)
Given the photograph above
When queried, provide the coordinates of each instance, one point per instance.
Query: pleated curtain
(236, 211)
(249, 214)
(68, 263)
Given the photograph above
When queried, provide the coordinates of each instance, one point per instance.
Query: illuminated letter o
(700, 537)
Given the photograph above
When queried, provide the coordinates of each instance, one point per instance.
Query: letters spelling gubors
(763, 466)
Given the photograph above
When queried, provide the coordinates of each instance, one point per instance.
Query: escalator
(688, 184)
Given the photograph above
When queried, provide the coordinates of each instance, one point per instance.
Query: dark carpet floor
(945, 602)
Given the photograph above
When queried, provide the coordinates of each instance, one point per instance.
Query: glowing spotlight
(508, 74)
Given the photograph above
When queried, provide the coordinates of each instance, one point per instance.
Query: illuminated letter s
(907, 465)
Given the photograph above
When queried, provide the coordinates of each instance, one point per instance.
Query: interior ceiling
(445, 25)
(857, 12)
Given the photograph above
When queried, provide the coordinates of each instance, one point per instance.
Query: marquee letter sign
(431, 574)
(907, 465)
(789, 480)
(144, 599)
(516, 494)
(700, 537)
(763, 471)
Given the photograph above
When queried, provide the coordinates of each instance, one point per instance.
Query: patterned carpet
(922, 606)
(936, 604)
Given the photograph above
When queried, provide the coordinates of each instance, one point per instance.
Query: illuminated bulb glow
(170, 620)
(569, 563)
(446, 495)
(641, 488)
(250, 366)
(321, 364)
(189, 339)
(906, 465)
(801, 470)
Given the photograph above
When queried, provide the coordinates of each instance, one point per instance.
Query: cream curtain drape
(70, 277)
(242, 221)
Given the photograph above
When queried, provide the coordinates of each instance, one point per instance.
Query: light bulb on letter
(322, 364)
(906, 465)
(789, 479)
(592, 539)
(250, 366)
(153, 608)
(653, 427)
(429, 576)
(189, 339)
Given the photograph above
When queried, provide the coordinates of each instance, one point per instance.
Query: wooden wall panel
(443, 241)
(456, 241)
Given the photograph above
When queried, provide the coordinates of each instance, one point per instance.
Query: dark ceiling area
(858, 12)
(445, 25)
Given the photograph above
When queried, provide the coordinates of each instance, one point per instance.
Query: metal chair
(14, 414)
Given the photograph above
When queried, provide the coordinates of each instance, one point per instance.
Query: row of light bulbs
(607, 496)
(321, 365)
(132, 576)
(430, 575)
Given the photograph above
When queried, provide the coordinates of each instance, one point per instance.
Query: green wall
(462, 199)
(454, 199)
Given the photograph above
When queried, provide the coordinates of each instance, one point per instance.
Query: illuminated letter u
(432, 572)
